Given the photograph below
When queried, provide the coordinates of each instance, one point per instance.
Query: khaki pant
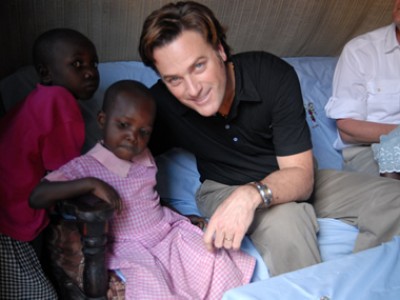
(370, 203)
(285, 235)
(360, 159)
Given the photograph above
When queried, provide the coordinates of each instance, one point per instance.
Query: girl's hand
(106, 192)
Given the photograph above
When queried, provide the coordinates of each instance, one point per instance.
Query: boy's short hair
(43, 45)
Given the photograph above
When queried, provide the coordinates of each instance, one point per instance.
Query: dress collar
(116, 165)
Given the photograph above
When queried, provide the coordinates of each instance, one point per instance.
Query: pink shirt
(160, 253)
(40, 134)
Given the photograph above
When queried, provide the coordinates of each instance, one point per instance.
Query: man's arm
(293, 181)
(362, 132)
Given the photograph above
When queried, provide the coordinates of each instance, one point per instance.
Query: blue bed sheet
(315, 75)
(372, 274)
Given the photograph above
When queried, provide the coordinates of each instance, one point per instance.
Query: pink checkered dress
(160, 252)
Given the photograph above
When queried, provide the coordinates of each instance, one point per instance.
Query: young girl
(160, 253)
(40, 134)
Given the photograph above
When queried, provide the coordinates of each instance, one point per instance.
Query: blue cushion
(315, 75)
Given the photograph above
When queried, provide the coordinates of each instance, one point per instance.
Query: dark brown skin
(391, 175)
(47, 193)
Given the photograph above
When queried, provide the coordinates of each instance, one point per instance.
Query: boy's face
(193, 71)
(74, 66)
(128, 125)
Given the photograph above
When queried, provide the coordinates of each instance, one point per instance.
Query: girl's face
(74, 66)
(128, 125)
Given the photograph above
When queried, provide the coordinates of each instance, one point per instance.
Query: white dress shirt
(366, 83)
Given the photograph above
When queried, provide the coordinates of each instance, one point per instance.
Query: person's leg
(21, 275)
(284, 235)
(370, 203)
(360, 159)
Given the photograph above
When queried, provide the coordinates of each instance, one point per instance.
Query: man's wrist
(265, 194)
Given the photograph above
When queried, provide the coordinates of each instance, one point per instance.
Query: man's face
(193, 71)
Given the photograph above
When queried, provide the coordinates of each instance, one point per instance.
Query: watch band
(265, 193)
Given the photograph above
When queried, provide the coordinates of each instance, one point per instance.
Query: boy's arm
(47, 193)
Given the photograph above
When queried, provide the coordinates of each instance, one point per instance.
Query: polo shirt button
(235, 139)
(227, 126)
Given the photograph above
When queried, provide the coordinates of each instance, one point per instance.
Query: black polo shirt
(267, 119)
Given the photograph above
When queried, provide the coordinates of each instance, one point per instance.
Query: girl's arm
(47, 193)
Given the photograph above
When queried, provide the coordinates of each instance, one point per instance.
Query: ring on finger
(228, 239)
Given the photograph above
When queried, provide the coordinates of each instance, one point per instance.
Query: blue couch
(342, 275)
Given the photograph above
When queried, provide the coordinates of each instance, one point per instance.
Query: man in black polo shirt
(243, 118)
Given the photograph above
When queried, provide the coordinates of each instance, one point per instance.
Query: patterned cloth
(387, 152)
(160, 253)
(21, 275)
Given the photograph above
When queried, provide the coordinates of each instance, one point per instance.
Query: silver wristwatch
(265, 193)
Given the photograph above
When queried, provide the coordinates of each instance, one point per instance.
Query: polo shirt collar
(244, 86)
(245, 91)
(116, 165)
(391, 42)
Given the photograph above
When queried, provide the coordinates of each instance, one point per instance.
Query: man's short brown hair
(165, 24)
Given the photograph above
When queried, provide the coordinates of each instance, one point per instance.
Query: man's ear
(44, 74)
(221, 52)
(101, 119)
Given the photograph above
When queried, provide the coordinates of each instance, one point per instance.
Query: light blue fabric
(335, 238)
(315, 75)
(372, 274)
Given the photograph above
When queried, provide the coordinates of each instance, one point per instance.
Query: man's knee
(285, 221)
(210, 195)
(286, 237)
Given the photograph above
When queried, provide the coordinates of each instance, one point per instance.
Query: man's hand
(232, 219)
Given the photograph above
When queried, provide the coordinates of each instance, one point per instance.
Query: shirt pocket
(383, 102)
